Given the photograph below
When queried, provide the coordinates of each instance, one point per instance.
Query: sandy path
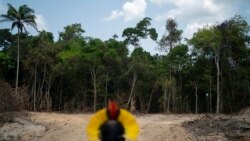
(65, 127)
(164, 128)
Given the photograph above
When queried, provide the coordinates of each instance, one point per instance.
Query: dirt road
(65, 127)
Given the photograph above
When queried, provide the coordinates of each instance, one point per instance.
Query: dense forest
(208, 73)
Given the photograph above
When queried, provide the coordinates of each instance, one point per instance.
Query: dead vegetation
(22, 128)
(221, 127)
(10, 103)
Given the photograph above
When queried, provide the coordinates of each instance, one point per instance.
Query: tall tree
(140, 31)
(73, 31)
(171, 37)
(176, 62)
(133, 36)
(138, 66)
(38, 64)
(92, 56)
(112, 62)
(235, 38)
(19, 17)
(208, 40)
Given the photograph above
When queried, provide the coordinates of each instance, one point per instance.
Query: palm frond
(25, 30)
(7, 18)
(24, 15)
(22, 27)
(12, 12)
(30, 21)
(14, 24)
(29, 10)
(18, 25)
(25, 10)
(33, 24)
(29, 17)
(11, 8)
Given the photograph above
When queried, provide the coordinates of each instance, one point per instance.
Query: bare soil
(154, 127)
(222, 128)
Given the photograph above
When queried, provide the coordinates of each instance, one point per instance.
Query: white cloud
(194, 9)
(212, 7)
(130, 10)
(40, 21)
(159, 2)
(114, 14)
(194, 27)
(194, 14)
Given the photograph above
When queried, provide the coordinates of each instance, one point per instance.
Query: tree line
(207, 73)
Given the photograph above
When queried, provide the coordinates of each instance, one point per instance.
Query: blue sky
(104, 18)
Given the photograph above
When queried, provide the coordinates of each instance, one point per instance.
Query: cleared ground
(65, 127)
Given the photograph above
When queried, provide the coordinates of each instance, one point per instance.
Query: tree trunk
(48, 98)
(173, 98)
(221, 91)
(169, 94)
(210, 95)
(60, 99)
(35, 87)
(41, 93)
(60, 95)
(180, 100)
(84, 94)
(149, 102)
(132, 104)
(141, 102)
(196, 98)
(185, 104)
(165, 101)
(93, 74)
(217, 60)
(132, 88)
(170, 46)
(229, 101)
(18, 58)
(106, 91)
(233, 91)
(248, 86)
(44, 75)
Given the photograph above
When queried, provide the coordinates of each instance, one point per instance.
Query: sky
(104, 18)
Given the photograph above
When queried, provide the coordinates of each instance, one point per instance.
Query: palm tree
(24, 15)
